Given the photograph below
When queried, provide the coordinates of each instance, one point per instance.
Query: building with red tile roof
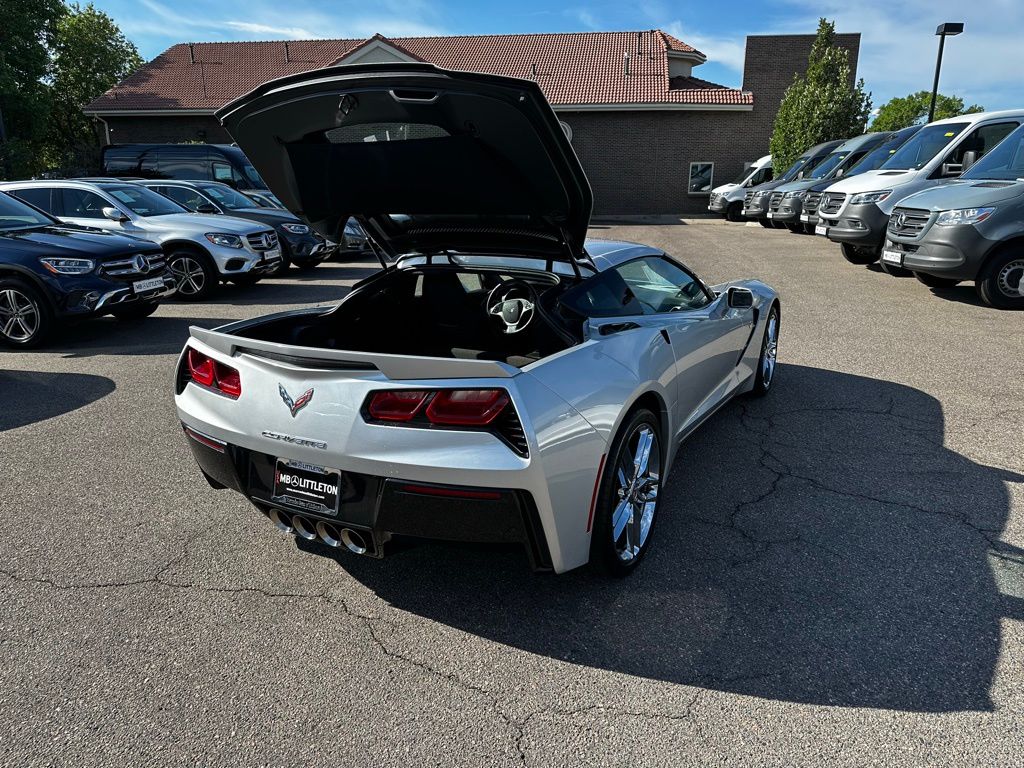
(637, 114)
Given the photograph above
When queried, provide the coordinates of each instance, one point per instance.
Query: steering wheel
(512, 301)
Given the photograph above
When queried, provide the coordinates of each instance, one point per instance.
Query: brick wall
(160, 129)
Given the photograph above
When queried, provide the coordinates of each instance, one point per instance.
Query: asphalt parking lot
(838, 576)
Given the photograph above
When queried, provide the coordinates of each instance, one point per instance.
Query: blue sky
(897, 48)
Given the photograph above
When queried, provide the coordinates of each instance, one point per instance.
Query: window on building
(701, 178)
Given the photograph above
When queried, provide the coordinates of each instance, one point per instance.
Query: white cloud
(727, 51)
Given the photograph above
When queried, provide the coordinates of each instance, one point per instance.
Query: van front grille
(831, 202)
(908, 222)
(811, 203)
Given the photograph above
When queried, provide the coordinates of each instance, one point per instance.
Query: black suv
(299, 244)
(50, 272)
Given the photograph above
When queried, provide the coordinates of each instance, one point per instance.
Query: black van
(188, 162)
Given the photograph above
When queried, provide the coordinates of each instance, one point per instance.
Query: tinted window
(604, 295)
(874, 159)
(16, 215)
(120, 161)
(1004, 162)
(187, 164)
(144, 202)
(661, 286)
(183, 195)
(39, 197)
(227, 197)
(82, 204)
(924, 145)
(981, 140)
(762, 175)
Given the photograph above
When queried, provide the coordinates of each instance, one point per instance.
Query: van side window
(225, 173)
(981, 140)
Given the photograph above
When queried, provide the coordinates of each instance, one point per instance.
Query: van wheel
(734, 212)
(934, 281)
(194, 276)
(766, 224)
(1001, 282)
(857, 255)
(25, 317)
(629, 496)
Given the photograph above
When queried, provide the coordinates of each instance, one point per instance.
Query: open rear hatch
(426, 159)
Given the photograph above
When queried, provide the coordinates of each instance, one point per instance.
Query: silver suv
(202, 249)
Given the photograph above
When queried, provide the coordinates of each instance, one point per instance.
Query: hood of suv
(199, 224)
(71, 242)
(426, 159)
(964, 194)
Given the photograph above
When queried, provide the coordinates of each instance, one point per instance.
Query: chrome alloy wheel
(771, 350)
(1011, 279)
(638, 476)
(19, 315)
(189, 276)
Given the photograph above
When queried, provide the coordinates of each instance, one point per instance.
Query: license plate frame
(805, 218)
(821, 229)
(770, 215)
(890, 256)
(307, 487)
(145, 286)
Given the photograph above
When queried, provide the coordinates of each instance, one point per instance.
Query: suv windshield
(227, 197)
(15, 215)
(143, 201)
(925, 145)
(1005, 162)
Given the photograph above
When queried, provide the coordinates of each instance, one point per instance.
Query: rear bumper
(381, 508)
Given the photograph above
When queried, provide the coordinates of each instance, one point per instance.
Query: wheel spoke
(620, 518)
(643, 452)
(9, 326)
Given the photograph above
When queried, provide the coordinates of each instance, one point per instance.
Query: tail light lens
(469, 407)
(211, 373)
(396, 404)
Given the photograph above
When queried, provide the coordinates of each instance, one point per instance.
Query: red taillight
(211, 373)
(467, 407)
(396, 404)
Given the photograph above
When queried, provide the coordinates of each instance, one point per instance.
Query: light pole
(950, 29)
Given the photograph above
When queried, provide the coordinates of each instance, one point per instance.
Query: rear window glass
(353, 134)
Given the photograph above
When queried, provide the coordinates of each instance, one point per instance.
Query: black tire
(857, 255)
(808, 229)
(194, 274)
(247, 280)
(607, 553)
(767, 362)
(934, 281)
(305, 266)
(734, 211)
(796, 229)
(891, 269)
(135, 311)
(1000, 277)
(25, 316)
(766, 224)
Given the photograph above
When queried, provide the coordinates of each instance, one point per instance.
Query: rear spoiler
(397, 367)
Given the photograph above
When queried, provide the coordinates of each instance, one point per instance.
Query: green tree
(820, 105)
(24, 97)
(89, 55)
(904, 111)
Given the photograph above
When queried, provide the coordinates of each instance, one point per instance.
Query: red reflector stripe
(456, 493)
(593, 496)
(209, 442)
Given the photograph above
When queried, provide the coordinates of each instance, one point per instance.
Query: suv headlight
(225, 240)
(68, 266)
(870, 197)
(296, 229)
(963, 216)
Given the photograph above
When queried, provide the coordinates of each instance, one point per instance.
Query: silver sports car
(500, 379)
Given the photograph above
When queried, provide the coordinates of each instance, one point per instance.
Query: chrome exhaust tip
(303, 527)
(329, 534)
(281, 520)
(354, 541)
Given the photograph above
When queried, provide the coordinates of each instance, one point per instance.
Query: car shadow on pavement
(154, 335)
(31, 396)
(820, 545)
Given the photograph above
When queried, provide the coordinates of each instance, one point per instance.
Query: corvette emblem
(295, 405)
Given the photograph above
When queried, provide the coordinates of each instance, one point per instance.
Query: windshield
(925, 145)
(227, 197)
(826, 166)
(874, 159)
(1005, 162)
(15, 215)
(795, 168)
(254, 178)
(143, 201)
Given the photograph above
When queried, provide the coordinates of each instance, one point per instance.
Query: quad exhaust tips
(330, 534)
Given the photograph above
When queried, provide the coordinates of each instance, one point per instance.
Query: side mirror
(206, 208)
(800, 175)
(114, 214)
(839, 172)
(740, 298)
(970, 158)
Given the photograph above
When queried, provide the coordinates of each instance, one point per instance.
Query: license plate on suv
(820, 229)
(890, 256)
(308, 487)
(144, 286)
